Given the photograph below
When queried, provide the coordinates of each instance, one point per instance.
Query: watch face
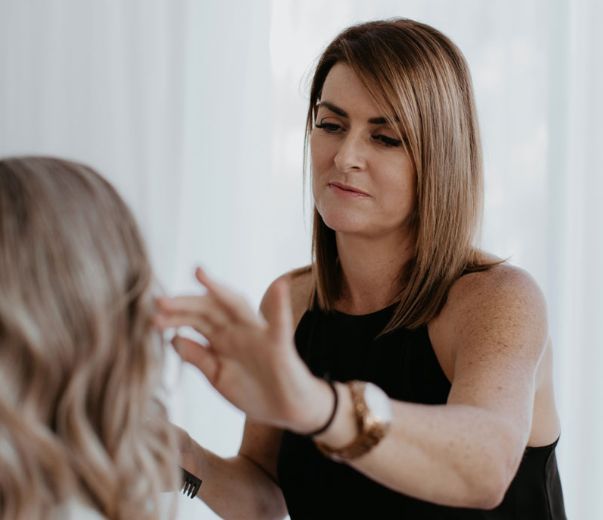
(378, 403)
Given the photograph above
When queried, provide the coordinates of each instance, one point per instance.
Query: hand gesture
(250, 359)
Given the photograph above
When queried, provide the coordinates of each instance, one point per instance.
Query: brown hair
(79, 362)
(419, 78)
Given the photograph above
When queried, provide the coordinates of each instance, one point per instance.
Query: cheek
(321, 152)
(319, 158)
(400, 190)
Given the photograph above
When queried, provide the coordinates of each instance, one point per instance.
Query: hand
(250, 359)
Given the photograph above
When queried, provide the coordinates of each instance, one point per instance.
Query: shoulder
(501, 287)
(301, 287)
(499, 311)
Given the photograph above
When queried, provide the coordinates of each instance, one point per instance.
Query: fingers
(216, 315)
(199, 312)
(218, 307)
(196, 354)
(230, 301)
(204, 304)
(195, 321)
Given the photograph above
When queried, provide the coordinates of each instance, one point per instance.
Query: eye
(387, 141)
(329, 126)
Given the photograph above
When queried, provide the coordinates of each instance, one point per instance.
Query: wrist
(317, 409)
(192, 455)
(372, 416)
(327, 424)
(343, 428)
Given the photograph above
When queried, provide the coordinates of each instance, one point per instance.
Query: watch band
(370, 428)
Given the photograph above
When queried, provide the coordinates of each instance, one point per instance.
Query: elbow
(273, 513)
(268, 506)
(488, 491)
(272, 506)
(491, 478)
(489, 498)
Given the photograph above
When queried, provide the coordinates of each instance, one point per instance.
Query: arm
(244, 486)
(465, 453)
(240, 487)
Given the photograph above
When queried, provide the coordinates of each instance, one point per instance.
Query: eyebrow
(341, 112)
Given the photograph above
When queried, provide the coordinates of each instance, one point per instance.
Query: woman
(81, 434)
(418, 381)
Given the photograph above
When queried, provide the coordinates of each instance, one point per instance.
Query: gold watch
(372, 411)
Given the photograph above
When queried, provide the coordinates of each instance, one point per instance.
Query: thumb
(276, 308)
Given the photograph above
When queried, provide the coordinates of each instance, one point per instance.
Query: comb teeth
(190, 484)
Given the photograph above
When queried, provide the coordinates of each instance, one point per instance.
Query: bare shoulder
(501, 285)
(300, 287)
(499, 311)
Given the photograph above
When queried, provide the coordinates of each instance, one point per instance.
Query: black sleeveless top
(404, 365)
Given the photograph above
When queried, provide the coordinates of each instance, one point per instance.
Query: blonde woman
(81, 434)
(405, 373)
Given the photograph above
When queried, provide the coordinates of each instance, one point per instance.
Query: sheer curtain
(171, 100)
(195, 110)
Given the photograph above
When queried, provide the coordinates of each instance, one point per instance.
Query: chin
(343, 222)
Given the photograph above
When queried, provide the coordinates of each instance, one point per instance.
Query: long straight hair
(79, 363)
(420, 80)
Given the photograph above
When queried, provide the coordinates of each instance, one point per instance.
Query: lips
(347, 188)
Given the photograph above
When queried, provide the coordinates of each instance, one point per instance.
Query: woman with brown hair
(82, 434)
(405, 373)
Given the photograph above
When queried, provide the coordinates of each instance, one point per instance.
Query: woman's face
(363, 181)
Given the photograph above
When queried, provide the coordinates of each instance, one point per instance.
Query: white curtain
(195, 110)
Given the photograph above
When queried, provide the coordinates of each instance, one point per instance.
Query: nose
(351, 154)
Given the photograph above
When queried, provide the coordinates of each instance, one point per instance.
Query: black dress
(404, 365)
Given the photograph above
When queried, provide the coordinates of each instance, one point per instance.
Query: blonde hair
(420, 80)
(79, 362)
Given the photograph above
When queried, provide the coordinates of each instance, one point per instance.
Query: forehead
(343, 88)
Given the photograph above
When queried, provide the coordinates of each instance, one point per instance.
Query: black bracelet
(190, 483)
(326, 425)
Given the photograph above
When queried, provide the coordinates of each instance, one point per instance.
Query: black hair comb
(190, 484)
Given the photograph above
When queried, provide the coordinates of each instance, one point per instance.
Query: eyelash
(332, 128)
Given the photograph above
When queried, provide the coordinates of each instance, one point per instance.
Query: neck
(371, 269)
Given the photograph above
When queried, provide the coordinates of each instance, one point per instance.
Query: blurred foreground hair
(79, 363)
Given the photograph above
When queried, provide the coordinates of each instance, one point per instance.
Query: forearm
(236, 488)
(455, 455)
